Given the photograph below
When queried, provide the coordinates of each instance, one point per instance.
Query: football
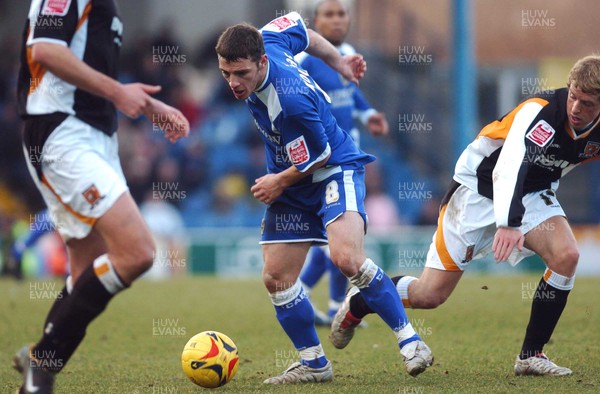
(210, 359)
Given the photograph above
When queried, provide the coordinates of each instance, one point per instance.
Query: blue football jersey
(291, 111)
(347, 101)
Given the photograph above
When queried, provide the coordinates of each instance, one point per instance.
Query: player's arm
(60, 61)
(307, 148)
(268, 187)
(352, 67)
(131, 99)
(508, 178)
(374, 121)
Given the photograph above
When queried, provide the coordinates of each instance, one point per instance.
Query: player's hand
(169, 119)
(133, 99)
(352, 67)
(377, 124)
(505, 240)
(267, 188)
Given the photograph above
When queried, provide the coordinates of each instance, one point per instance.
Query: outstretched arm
(132, 99)
(352, 67)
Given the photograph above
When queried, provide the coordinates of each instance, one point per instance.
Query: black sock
(61, 298)
(358, 306)
(546, 308)
(68, 319)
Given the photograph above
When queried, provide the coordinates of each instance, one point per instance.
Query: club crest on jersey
(280, 24)
(469, 254)
(56, 7)
(92, 195)
(591, 150)
(298, 151)
(541, 133)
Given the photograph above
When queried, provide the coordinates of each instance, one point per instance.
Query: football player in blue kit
(332, 21)
(314, 183)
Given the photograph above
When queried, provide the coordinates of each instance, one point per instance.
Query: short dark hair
(323, 2)
(240, 42)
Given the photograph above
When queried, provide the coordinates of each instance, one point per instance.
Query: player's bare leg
(96, 277)
(82, 251)
(346, 243)
(431, 289)
(555, 243)
(428, 291)
(283, 262)
(128, 239)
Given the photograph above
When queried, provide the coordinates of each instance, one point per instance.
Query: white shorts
(467, 226)
(81, 177)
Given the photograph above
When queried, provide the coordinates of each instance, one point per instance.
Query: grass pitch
(135, 346)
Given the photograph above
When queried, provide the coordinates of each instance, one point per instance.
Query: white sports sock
(312, 353)
(402, 287)
(288, 295)
(365, 274)
(69, 284)
(559, 281)
(405, 332)
(105, 271)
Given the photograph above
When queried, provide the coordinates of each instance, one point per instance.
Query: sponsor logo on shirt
(541, 133)
(298, 151)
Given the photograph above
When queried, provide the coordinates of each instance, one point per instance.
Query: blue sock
(314, 268)
(415, 337)
(381, 296)
(338, 283)
(297, 318)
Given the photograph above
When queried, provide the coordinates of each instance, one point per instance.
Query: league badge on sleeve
(282, 23)
(56, 7)
(298, 151)
(541, 133)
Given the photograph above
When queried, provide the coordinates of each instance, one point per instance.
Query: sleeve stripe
(46, 39)
(298, 17)
(365, 115)
(85, 15)
(322, 156)
(510, 162)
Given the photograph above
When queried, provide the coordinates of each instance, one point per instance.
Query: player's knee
(565, 261)
(277, 281)
(348, 263)
(571, 257)
(142, 256)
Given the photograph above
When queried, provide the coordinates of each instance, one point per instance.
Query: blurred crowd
(206, 177)
(204, 180)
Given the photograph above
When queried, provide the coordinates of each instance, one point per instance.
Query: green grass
(474, 336)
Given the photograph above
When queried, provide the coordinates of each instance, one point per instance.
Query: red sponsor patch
(56, 7)
(541, 133)
(297, 151)
(280, 24)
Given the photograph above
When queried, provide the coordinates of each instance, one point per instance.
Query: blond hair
(585, 75)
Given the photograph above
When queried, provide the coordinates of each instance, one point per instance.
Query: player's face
(332, 21)
(582, 108)
(243, 76)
